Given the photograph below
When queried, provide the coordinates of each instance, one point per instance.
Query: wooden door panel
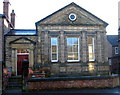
(20, 59)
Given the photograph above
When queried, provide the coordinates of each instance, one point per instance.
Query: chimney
(6, 7)
(13, 18)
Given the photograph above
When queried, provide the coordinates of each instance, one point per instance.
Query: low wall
(73, 82)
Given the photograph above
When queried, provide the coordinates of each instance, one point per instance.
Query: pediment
(61, 17)
(22, 40)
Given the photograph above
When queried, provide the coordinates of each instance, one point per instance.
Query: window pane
(116, 50)
(75, 48)
(89, 40)
(70, 56)
(54, 48)
(91, 48)
(75, 56)
(54, 56)
(75, 41)
(69, 41)
(54, 41)
(72, 47)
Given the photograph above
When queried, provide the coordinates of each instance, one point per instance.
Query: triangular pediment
(62, 17)
(22, 40)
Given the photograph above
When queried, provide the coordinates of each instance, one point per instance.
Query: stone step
(15, 82)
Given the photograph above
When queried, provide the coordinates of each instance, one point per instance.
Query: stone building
(5, 26)
(113, 54)
(119, 33)
(69, 42)
(119, 48)
(119, 41)
(113, 41)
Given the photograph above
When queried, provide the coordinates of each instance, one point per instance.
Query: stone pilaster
(39, 46)
(46, 47)
(13, 59)
(84, 47)
(42, 48)
(8, 56)
(99, 47)
(105, 48)
(62, 45)
(31, 58)
(95, 47)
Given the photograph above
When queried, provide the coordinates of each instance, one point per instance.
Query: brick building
(69, 42)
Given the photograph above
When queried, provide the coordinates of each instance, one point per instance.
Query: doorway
(21, 55)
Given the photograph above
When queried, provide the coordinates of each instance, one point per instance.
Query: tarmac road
(112, 91)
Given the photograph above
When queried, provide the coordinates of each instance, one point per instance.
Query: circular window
(72, 16)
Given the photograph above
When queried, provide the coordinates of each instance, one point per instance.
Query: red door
(20, 59)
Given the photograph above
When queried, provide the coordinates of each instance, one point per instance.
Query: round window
(72, 16)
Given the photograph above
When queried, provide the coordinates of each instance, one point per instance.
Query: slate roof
(2, 15)
(113, 39)
(21, 32)
(73, 4)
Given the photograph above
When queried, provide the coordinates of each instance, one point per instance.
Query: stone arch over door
(22, 44)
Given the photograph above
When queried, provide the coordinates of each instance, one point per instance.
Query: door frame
(17, 58)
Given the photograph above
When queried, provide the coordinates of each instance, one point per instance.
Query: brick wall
(73, 82)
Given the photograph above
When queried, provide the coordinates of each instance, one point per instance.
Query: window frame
(56, 50)
(93, 49)
(116, 51)
(74, 52)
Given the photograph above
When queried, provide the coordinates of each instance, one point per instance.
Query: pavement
(107, 91)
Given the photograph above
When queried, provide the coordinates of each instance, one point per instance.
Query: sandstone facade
(72, 21)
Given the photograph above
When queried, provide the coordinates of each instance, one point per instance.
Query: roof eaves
(13, 31)
(72, 24)
(24, 29)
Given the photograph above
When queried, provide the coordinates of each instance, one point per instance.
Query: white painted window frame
(78, 51)
(23, 53)
(93, 44)
(56, 50)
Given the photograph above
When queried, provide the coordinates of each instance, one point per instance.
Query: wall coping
(72, 78)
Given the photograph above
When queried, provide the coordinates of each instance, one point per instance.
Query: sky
(30, 11)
